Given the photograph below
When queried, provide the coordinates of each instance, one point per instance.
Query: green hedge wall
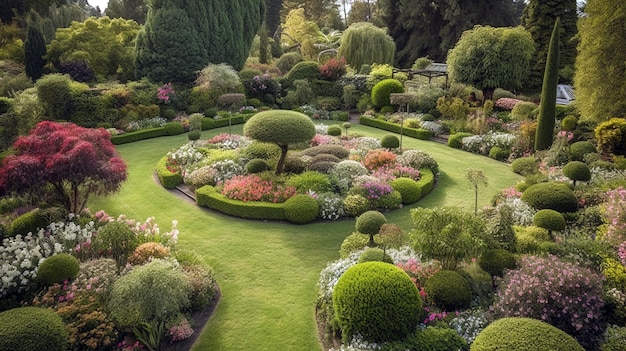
(207, 196)
(168, 179)
(223, 122)
(427, 181)
(138, 135)
(417, 133)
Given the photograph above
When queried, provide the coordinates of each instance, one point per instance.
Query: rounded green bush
(569, 123)
(390, 141)
(355, 205)
(308, 70)
(378, 301)
(334, 130)
(370, 222)
(169, 114)
(280, 126)
(374, 254)
(579, 149)
(382, 91)
(386, 110)
(525, 166)
(354, 242)
(261, 150)
(454, 141)
(523, 334)
(294, 165)
(116, 240)
(428, 117)
(437, 339)
(287, 61)
(551, 195)
(495, 261)
(57, 268)
(32, 328)
(257, 165)
(310, 181)
(550, 220)
(29, 222)
(301, 209)
(322, 166)
(173, 128)
(389, 201)
(498, 153)
(332, 149)
(325, 158)
(408, 188)
(448, 290)
(577, 171)
(194, 135)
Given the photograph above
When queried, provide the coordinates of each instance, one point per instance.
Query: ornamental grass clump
(557, 292)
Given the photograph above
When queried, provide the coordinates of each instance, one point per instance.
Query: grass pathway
(267, 271)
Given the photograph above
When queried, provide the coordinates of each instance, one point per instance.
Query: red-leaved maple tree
(64, 163)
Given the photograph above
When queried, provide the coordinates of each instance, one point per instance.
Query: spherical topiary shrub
(301, 209)
(523, 334)
(408, 188)
(32, 328)
(370, 222)
(173, 128)
(390, 141)
(579, 149)
(550, 220)
(495, 261)
(569, 123)
(57, 268)
(378, 301)
(383, 89)
(525, 166)
(577, 171)
(551, 195)
(454, 141)
(334, 130)
(194, 135)
(257, 165)
(308, 70)
(448, 290)
(437, 339)
(374, 254)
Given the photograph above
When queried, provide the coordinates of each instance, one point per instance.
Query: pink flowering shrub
(389, 172)
(377, 158)
(165, 93)
(506, 103)
(615, 216)
(419, 272)
(621, 252)
(180, 331)
(559, 293)
(323, 139)
(253, 188)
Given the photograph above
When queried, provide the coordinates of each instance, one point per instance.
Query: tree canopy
(363, 43)
(600, 65)
(489, 58)
(66, 162)
(128, 9)
(430, 28)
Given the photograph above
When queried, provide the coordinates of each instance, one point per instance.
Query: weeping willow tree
(364, 44)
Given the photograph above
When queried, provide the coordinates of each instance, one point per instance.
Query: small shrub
(370, 222)
(265, 151)
(377, 301)
(301, 209)
(551, 195)
(448, 290)
(525, 166)
(116, 240)
(29, 222)
(523, 111)
(577, 171)
(355, 242)
(355, 205)
(454, 141)
(325, 158)
(531, 239)
(146, 252)
(257, 165)
(173, 128)
(569, 123)
(336, 150)
(579, 149)
(498, 153)
(310, 181)
(550, 220)
(194, 135)
(390, 141)
(334, 130)
(203, 285)
(382, 90)
(57, 268)
(523, 334)
(387, 110)
(308, 70)
(288, 60)
(374, 254)
(32, 328)
(377, 158)
(408, 188)
(495, 261)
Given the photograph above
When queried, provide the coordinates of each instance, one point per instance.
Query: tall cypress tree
(34, 51)
(547, 108)
(538, 18)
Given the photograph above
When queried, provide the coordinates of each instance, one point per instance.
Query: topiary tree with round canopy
(369, 223)
(577, 171)
(550, 220)
(378, 301)
(522, 334)
(282, 128)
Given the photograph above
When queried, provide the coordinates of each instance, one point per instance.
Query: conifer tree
(34, 51)
(547, 108)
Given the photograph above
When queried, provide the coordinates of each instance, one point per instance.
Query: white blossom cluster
(434, 127)
(186, 155)
(20, 256)
(321, 129)
(522, 214)
(482, 144)
(469, 323)
(331, 206)
(146, 123)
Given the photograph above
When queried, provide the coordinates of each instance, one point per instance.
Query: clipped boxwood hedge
(417, 133)
(301, 209)
(138, 135)
(168, 179)
(427, 181)
(551, 195)
(223, 122)
(454, 141)
(32, 328)
(207, 196)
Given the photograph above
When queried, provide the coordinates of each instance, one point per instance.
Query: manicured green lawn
(268, 271)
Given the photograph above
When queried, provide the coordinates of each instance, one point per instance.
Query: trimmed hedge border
(168, 179)
(417, 133)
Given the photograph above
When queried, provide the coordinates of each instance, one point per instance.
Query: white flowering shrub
(227, 169)
(331, 206)
(146, 123)
(201, 176)
(186, 155)
(20, 256)
(481, 144)
(364, 144)
(522, 214)
(321, 129)
(434, 127)
(345, 172)
(468, 324)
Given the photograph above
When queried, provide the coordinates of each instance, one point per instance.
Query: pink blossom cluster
(615, 212)
(181, 331)
(165, 92)
(511, 192)
(419, 272)
(506, 103)
(253, 188)
(322, 139)
(435, 316)
(130, 347)
(557, 292)
(621, 252)
(389, 172)
(375, 190)
(565, 135)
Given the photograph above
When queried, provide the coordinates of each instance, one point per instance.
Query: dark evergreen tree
(264, 46)
(272, 15)
(128, 9)
(34, 51)
(431, 27)
(538, 19)
(547, 108)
